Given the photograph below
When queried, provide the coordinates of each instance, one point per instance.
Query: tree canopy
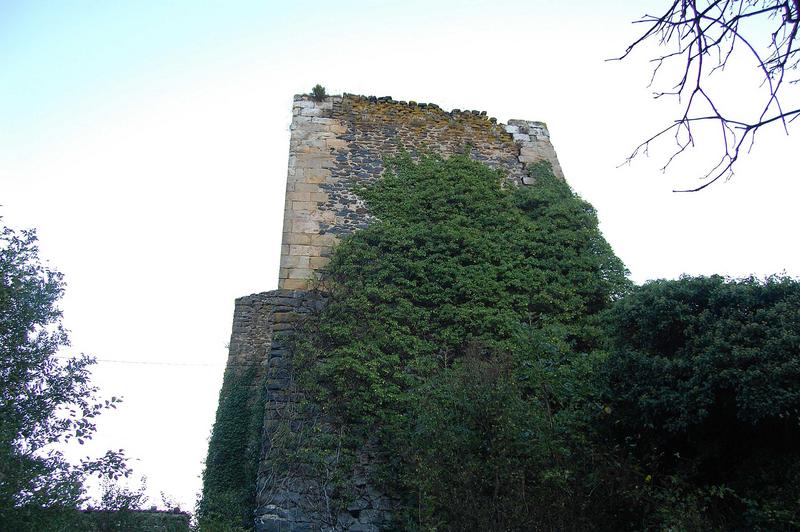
(45, 400)
(702, 38)
(704, 388)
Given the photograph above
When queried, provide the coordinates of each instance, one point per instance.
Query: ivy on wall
(448, 338)
(483, 342)
(229, 477)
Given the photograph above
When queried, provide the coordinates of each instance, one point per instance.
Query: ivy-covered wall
(339, 143)
(252, 389)
(258, 468)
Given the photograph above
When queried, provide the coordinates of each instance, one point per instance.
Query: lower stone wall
(293, 485)
(235, 444)
(294, 488)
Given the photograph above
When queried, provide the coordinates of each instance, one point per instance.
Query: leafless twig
(705, 34)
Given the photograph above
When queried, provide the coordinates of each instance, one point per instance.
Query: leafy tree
(703, 389)
(44, 400)
(702, 37)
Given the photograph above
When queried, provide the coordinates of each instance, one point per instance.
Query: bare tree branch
(706, 35)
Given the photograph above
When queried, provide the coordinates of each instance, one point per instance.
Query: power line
(155, 363)
(162, 363)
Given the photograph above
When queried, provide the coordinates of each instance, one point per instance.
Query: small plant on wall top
(318, 92)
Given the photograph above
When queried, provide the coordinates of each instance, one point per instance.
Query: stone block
(314, 160)
(306, 187)
(530, 150)
(316, 175)
(295, 261)
(298, 196)
(297, 238)
(302, 148)
(295, 284)
(316, 263)
(317, 145)
(305, 225)
(284, 317)
(311, 111)
(323, 240)
(530, 158)
(304, 206)
(335, 144)
(301, 273)
(308, 251)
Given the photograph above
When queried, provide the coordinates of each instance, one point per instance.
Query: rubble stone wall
(337, 145)
(340, 143)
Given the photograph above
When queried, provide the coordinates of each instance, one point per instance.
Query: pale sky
(147, 142)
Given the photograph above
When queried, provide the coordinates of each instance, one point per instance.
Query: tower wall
(336, 145)
(340, 142)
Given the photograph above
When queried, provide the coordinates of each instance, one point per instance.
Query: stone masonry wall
(341, 141)
(288, 493)
(336, 144)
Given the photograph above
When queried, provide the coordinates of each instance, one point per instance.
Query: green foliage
(44, 401)
(457, 263)
(119, 506)
(704, 390)
(229, 477)
(486, 339)
(318, 92)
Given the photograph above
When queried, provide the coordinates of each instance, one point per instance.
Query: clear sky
(147, 141)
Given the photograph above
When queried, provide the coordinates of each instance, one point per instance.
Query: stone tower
(344, 138)
(335, 144)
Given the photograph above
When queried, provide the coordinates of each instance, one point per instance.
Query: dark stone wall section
(288, 499)
(377, 127)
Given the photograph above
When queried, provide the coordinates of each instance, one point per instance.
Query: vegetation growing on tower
(486, 341)
(459, 336)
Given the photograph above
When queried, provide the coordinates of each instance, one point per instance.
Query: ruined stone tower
(335, 144)
(343, 139)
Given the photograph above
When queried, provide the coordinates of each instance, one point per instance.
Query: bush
(318, 92)
(703, 384)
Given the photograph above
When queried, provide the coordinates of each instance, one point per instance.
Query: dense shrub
(704, 383)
